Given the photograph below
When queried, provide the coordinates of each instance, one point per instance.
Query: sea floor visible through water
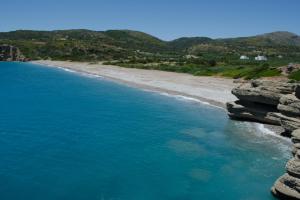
(68, 136)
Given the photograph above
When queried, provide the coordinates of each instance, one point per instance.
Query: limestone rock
(275, 103)
(297, 154)
(275, 86)
(287, 187)
(296, 145)
(296, 134)
(288, 123)
(289, 105)
(247, 93)
(293, 168)
(295, 141)
(265, 92)
(252, 112)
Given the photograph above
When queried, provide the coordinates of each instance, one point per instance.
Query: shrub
(295, 75)
(212, 63)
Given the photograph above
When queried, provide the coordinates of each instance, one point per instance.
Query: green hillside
(195, 55)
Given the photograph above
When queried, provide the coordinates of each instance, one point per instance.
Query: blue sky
(166, 19)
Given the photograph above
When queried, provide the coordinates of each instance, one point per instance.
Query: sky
(165, 19)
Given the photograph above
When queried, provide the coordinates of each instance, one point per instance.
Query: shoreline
(216, 93)
(81, 69)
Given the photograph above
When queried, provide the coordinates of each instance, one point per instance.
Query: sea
(71, 136)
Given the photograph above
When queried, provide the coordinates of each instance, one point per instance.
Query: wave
(176, 96)
(184, 98)
(263, 129)
(259, 136)
(74, 71)
(259, 128)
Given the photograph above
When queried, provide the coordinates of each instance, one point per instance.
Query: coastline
(139, 78)
(211, 90)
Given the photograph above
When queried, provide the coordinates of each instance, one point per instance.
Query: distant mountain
(185, 43)
(275, 38)
(270, 43)
(281, 38)
(81, 44)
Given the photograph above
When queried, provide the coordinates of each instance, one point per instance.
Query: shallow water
(68, 136)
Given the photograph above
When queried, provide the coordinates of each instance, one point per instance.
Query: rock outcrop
(288, 185)
(276, 103)
(264, 92)
(10, 53)
(241, 110)
(267, 102)
(289, 105)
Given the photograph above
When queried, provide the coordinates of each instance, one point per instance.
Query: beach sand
(214, 90)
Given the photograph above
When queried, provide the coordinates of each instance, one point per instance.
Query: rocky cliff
(288, 185)
(270, 102)
(10, 53)
(276, 103)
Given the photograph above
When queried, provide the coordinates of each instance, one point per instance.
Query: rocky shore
(276, 103)
(268, 102)
(11, 53)
(288, 185)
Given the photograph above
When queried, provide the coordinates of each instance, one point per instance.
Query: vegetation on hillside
(196, 55)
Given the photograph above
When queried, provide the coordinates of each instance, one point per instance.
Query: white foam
(74, 71)
(264, 130)
(258, 133)
(67, 70)
(183, 98)
(179, 97)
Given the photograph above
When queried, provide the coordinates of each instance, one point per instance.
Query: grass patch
(295, 75)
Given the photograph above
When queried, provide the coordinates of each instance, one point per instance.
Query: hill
(195, 55)
(82, 44)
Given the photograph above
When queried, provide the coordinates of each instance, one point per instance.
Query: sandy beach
(214, 90)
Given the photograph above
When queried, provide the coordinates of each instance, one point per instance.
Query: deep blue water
(70, 137)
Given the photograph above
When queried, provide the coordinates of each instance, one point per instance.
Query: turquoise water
(70, 137)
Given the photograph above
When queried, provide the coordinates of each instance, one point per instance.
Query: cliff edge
(276, 103)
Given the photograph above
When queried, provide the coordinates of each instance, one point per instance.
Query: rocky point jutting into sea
(276, 103)
(11, 53)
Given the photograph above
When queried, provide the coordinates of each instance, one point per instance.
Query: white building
(243, 57)
(261, 58)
